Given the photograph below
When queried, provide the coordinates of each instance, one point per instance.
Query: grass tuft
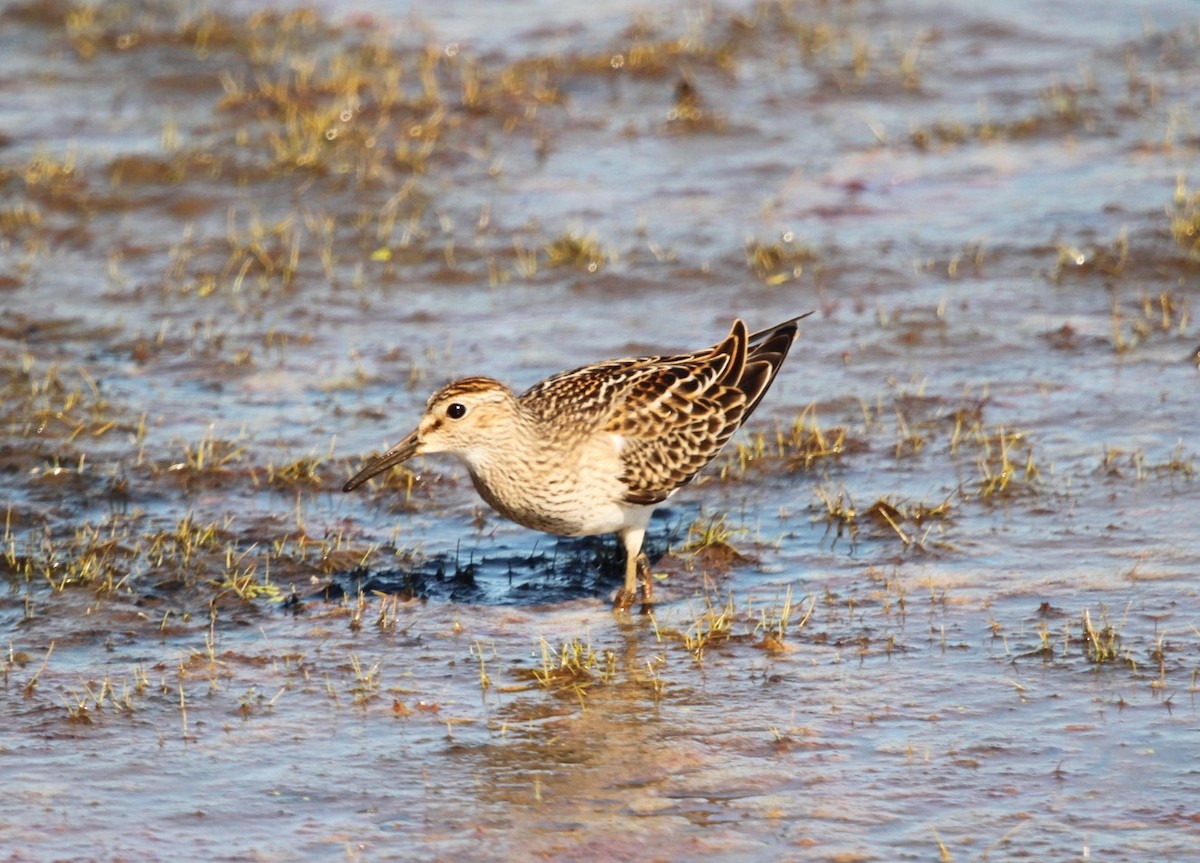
(572, 668)
(781, 261)
(1185, 219)
(574, 250)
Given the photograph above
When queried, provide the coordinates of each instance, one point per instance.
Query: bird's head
(463, 419)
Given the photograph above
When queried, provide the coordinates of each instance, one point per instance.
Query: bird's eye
(456, 410)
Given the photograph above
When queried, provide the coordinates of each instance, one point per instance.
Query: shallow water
(239, 250)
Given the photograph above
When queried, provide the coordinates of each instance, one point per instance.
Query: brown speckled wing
(679, 415)
(585, 396)
(674, 413)
(665, 449)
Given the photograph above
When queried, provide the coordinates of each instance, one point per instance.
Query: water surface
(953, 611)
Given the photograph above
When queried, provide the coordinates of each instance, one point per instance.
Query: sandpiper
(595, 450)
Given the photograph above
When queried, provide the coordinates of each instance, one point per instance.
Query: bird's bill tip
(401, 452)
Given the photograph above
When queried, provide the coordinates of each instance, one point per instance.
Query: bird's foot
(623, 601)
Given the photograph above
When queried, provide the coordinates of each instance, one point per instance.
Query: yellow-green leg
(636, 566)
(643, 570)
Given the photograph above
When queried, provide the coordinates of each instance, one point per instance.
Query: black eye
(456, 410)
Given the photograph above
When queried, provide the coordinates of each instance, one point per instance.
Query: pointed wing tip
(792, 324)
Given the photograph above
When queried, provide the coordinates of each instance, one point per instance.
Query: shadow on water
(570, 569)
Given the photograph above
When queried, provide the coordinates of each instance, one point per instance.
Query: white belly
(577, 496)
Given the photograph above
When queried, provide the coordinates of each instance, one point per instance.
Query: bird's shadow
(554, 569)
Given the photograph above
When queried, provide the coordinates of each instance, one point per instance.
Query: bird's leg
(628, 592)
(632, 539)
(643, 571)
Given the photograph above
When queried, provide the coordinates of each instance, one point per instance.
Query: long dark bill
(402, 451)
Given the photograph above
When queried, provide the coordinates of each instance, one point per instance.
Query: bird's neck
(510, 448)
